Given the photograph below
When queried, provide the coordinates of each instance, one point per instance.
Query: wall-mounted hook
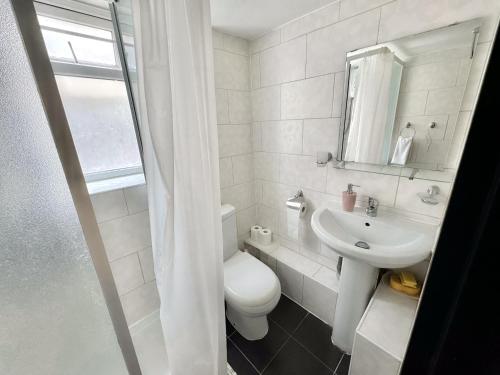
(432, 125)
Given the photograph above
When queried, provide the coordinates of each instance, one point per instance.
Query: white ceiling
(252, 18)
(245, 18)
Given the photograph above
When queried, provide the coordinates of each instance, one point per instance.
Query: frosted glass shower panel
(53, 318)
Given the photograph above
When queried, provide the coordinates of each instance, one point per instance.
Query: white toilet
(251, 288)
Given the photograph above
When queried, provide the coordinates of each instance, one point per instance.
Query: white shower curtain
(178, 125)
(366, 142)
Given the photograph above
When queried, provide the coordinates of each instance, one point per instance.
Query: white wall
(234, 123)
(123, 219)
(296, 78)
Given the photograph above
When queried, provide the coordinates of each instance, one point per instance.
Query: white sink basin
(367, 244)
(393, 242)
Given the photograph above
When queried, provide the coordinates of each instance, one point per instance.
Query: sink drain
(362, 244)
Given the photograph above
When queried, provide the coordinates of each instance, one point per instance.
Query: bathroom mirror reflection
(402, 98)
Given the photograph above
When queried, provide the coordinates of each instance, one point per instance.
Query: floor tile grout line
(338, 364)
(286, 330)
(300, 323)
(244, 356)
(276, 354)
(316, 357)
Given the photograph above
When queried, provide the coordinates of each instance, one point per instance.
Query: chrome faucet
(372, 208)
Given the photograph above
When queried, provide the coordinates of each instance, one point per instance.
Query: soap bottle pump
(349, 198)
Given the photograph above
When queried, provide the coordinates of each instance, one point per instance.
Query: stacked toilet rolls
(261, 235)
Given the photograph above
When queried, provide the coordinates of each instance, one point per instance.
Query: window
(88, 75)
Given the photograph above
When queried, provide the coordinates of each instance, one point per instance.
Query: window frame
(70, 69)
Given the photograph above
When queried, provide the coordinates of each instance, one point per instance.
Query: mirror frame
(340, 143)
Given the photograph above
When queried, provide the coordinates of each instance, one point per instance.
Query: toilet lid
(248, 281)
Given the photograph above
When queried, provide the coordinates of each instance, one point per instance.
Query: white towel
(402, 150)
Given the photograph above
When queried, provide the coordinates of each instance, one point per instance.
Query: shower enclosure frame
(43, 75)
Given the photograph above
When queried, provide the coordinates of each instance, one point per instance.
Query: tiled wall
(123, 220)
(297, 78)
(432, 88)
(234, 123)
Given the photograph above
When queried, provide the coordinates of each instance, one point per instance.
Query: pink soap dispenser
(349, 198)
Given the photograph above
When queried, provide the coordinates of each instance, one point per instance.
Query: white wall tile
(245, 219)
(406, 17)
(231, 71)
(275, 195)
(328, 278)
(242, 168)
(147, 264)
(312, 21)
(321, 135)
(266, 103)
(268, 40)
(255, 71)
(327, 47)
(240, 107)
(412, 103)
(109, 205)
(408, 200)
(430, 76)
(302, 171)
(127, 273)
(296, 261)
(319, 300)
(234, 140)
(267, 217)
(257, 136)
(309, 243)
(444, 101)
(222, 105)
(269, 260)
(282, 136)
(266, 166)
(283, 63)
(310, 98)
(291, 282)
(226, 172)
(257, 191)
(217, 39)
(126, 235)
(235, 44)
(136, 198)
(140, 302)
(368, 358)
(240, 196)
(379, 186)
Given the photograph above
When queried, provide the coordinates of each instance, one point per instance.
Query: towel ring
(408, 126)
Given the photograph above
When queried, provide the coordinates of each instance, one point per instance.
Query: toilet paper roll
(265, 237)
(293, 215)
(254, 232)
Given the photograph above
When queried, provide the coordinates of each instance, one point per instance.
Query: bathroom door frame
(457, 328)
(31, 35)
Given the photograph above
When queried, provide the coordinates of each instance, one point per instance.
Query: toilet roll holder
(298, 203)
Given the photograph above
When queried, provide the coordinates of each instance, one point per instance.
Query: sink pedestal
(357, 283)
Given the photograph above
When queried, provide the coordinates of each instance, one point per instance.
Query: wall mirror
(402, 98)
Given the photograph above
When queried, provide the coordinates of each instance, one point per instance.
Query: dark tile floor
(297, 343)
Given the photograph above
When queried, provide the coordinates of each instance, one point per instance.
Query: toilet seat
(249, 285)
